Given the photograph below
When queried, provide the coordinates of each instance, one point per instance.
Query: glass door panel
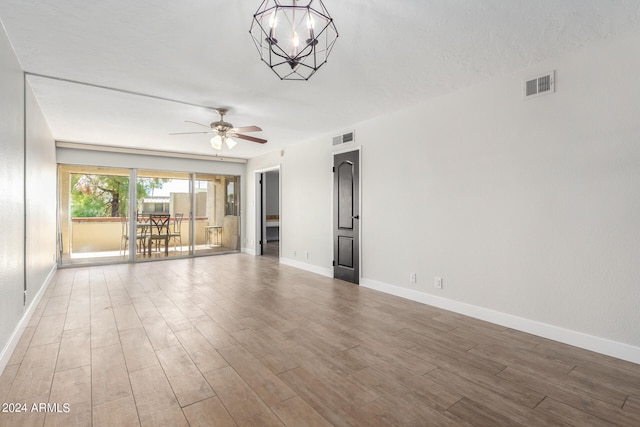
(217, 221)
(93, 204)
(160, 195)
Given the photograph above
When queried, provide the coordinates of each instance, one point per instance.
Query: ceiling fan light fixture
(293, 37)
(223, 131)
(216, 142)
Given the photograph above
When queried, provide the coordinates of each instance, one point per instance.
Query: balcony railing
(90, 235)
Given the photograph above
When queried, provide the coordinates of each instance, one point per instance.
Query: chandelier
(294, 38)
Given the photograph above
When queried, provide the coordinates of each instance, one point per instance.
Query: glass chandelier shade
(294, 37)
(216, 142)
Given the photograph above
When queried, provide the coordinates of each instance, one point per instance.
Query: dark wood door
(346, 216)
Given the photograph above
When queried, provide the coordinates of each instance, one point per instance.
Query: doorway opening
(269, 213)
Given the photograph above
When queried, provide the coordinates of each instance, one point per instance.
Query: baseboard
(327, 272)
(8, 349)
(578, 339)
(250, 251)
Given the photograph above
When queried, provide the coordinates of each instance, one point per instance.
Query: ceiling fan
(224, 132)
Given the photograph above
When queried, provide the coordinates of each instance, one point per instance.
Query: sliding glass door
(217, 226)
(161, 193)
(93, 207)
(175, 214)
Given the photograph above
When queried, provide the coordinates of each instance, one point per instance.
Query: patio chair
(141, 236)
(176, 235)
(159, 231)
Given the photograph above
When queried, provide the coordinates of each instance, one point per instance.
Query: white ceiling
(390, 54)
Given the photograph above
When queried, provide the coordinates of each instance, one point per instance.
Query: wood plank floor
(241, 340)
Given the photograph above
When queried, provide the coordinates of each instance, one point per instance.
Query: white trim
(267, 169)
(144, 152)
(12, 343)
(345, 148)
(250, 251)
(589, 342)
(258, 214)
(327, 272)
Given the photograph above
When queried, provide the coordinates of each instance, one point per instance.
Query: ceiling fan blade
(250, 138)
(246, 129)
(189, 133)
(196, 123)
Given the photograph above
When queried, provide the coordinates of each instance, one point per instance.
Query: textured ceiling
(390, 54)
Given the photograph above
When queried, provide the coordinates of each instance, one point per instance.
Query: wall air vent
(343, 139)
(540, 85)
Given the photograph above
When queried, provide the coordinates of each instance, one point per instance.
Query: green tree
(106, 195)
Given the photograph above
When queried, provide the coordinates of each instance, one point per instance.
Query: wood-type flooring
(242, 340)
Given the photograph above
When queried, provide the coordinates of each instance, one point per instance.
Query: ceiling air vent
(541, 85)
(343, 139)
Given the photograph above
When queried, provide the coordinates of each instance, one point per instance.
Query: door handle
(355, 217)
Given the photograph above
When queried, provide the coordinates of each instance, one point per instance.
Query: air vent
(343, 139)
(541, 85)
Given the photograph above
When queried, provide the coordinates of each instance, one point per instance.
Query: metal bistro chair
(176, 234)
(159, 230)
(142, 233)
(141, 236)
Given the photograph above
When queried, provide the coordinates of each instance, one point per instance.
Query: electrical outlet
(438, 282)
(412, 277)
(294, 253)
(306, 254)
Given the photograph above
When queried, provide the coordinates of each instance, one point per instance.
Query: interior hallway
(243, 340)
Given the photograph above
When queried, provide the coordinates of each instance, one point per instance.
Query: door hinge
(333, 169)
(333, 263)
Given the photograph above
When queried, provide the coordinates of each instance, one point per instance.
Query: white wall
(27, 201)
(12, 193)
(305, 218)
(529, 210)
(41, 189)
